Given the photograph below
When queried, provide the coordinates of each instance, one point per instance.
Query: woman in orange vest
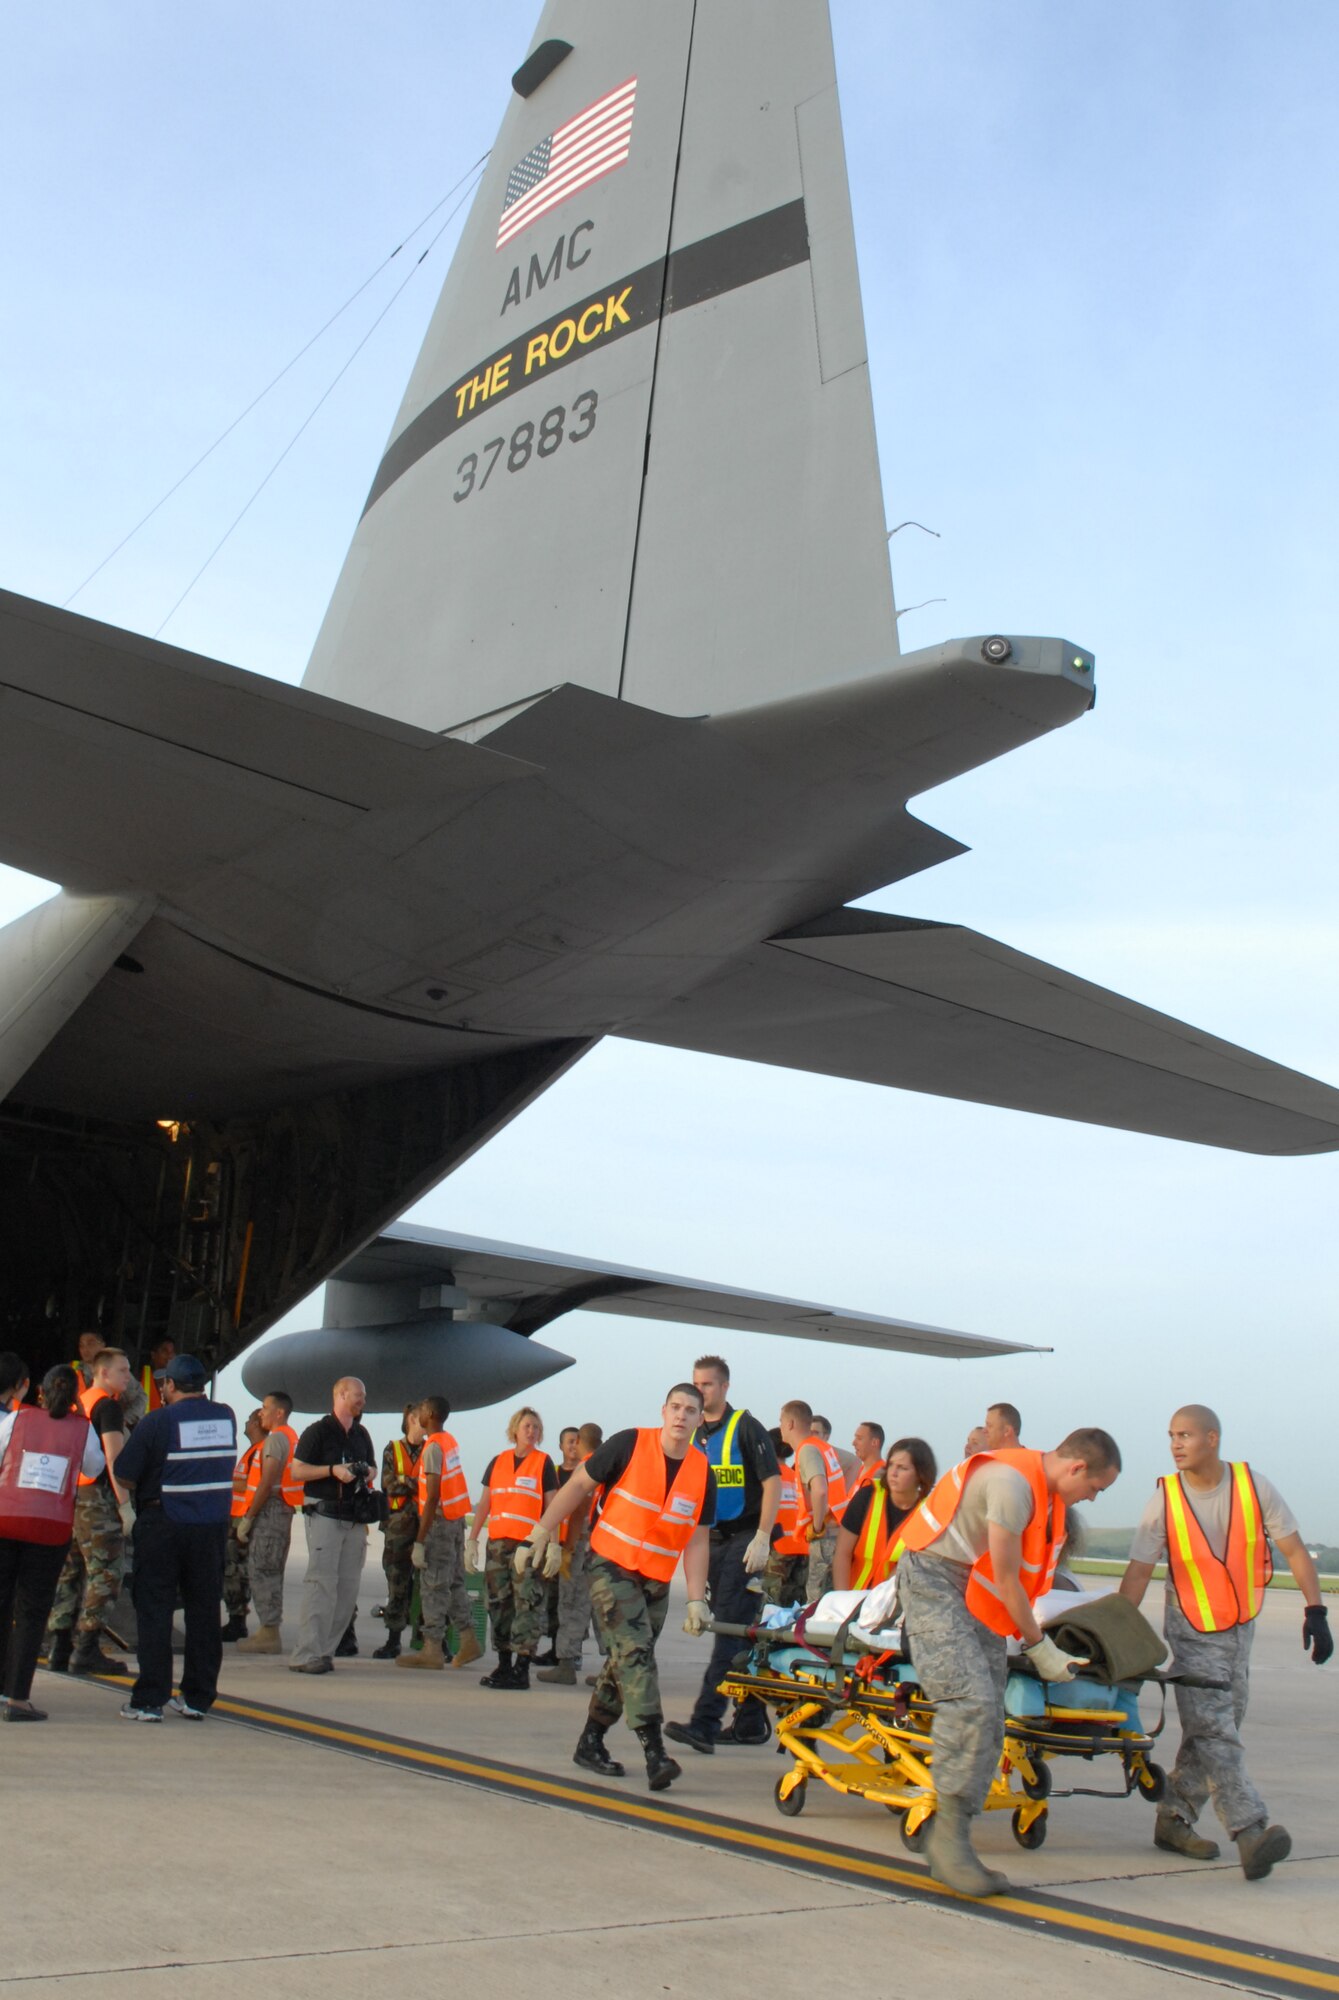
(236, 1583)
(516, 1487)
(274, 1499)
(443, 1503)
(43, 1452)
(867, 1535)
(1212, 1524)
(976, 1554)
(656, 1506)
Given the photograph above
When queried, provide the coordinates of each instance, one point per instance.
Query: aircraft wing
(937, 1008)
(526, 1289)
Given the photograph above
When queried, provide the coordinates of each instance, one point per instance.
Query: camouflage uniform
(442, 1584)
(962, 1666)
(90, 1582)
(785, 1578)
(400, 1530)
(236, 1585)
(271, 1534)
(629, 1612)
(514, 1602)
(1211, 1761)
(573, 1600)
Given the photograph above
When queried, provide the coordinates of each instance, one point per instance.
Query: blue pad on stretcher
(793, 1659)
(1028, 1700)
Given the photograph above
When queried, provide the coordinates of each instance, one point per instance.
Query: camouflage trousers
(90, 1582)
(573, 1601)
(397, 1562)
(961, 1664)
(1211, 1763)
(514, 1602)
(629, 1612)
(818, 1579)
(271, 1534)
(442, 1589)
(236, 1582)
(784, 1579)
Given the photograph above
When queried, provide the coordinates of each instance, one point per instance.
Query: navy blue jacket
(183, 1455)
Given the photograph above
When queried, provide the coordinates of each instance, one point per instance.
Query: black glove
(1316, 1638)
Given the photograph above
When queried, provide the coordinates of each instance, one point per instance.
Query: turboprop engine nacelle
(470, 1362)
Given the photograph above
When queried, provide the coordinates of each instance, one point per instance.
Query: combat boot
(347, 1649)
(236, 1628)
(1178, 1838)
(501, 1674)
(430, 1656)
(591, 1754)
(390, 1649)
(89, 1658)
(264, 1640)
(953, 1860)
(562, 1674)
(59, 1651)
(468, 1651)
(1259, 1847)
(661, 1769)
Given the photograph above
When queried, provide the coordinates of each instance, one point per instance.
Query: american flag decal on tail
(588, 146)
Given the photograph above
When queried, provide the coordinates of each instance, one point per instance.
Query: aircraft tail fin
(637, 451)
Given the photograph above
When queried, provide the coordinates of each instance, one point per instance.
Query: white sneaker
(178, 1706)
(131, 1714)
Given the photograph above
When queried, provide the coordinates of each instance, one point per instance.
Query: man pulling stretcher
(972, 1560)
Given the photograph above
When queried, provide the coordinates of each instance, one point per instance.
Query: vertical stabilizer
(637, 450)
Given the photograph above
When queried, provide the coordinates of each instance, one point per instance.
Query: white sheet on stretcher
(877, 1622)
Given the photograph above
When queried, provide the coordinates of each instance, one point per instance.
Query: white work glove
(1052, 1663)
(419, 1555)
(553, 1559)
(757, 1553)
(532, 1550)
(699, 1617)
(472, 1561)
(243, 1529)
(126, 1509)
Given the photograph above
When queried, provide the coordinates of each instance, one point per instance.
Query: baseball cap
(187, 1371)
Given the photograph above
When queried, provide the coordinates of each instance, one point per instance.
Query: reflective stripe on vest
(289, 1487)
(243, 1485)
(199, 1462)
(870, 1474)
(789, 1542)
(516, 1496)
(871, 1548)
(836, 1488)
(88, 1402)
(453, 1493)
(726, 1469)
(1217, 1593)
(406, 1467)
(1041, 1539)
(644, 1526)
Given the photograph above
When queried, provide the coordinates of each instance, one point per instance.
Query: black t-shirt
(108, 1419)
(755, 1452)
(857, 1512)
(607, 1466)
(326, 1442)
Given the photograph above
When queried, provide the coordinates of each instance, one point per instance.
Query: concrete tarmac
(208, 1854)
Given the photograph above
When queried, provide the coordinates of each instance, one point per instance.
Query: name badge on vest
(43, 1472)
(524, 1480)
(207, 1434)
(453, 1463)
(681, 1505)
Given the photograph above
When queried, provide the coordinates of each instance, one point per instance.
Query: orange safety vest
(88, 1402)
(153, 1395)
(516, 1496)
(1042, 1538)
(242, 1485)
(789, 1542)
(836, 1489)
(869, 1558)
(1215, 1593)
(289, 1489)
(644, 1525)
(453, 1501)
(869, 1474)
(406, 1467)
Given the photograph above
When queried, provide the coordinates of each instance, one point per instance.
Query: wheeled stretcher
(849, 1711)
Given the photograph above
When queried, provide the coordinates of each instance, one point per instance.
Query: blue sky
(1097, 248)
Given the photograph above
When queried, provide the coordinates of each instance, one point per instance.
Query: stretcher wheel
(790, 1803)
(1151, 1780)
(916, 1837)
(1030, 1836)
(1040, 1786)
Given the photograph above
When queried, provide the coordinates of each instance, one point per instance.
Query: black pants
(173, 1558)
(29, 1573)
(735, 1604)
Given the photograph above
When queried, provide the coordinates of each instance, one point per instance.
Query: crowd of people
(109, 1471)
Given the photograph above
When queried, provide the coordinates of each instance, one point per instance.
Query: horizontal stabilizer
(525, 1290)
(933, 1007)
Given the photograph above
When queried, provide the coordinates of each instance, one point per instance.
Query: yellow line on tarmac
(1056, 1914)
